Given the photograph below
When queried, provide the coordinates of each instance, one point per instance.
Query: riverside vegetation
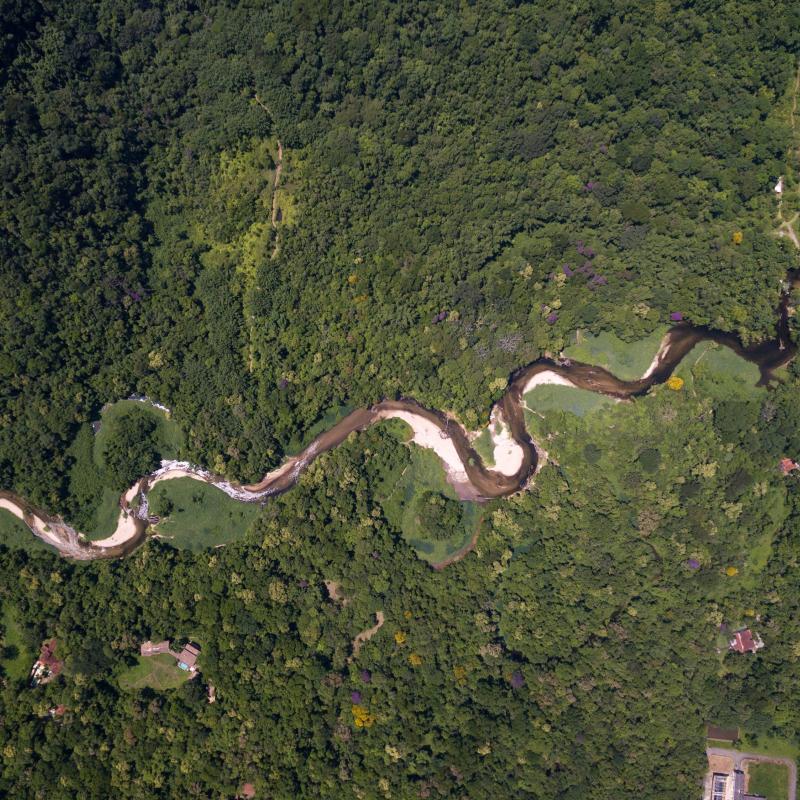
(440, 167)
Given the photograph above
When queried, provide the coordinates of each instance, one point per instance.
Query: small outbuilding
(149, 648)
(722, 734)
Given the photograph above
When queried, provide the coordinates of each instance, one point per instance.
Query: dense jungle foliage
(439, 161)
(575, 653)
(256, 213)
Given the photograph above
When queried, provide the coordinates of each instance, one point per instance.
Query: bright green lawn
(769, 780)
(626, 360)
(398, 495)
(13, 533)
(201, 516)
(770, 746)
(552, 397)
(157, 672)
(16, 659)
(171, 439)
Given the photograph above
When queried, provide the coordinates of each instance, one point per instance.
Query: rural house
(744, 641)
(47, 666)
(187, 660)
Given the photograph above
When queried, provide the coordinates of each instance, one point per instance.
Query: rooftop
(189, 655)
(722, 734)
(744, 642)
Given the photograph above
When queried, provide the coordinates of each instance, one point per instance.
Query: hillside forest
(263, 215)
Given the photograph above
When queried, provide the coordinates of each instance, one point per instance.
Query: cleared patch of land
(105, 516)
(15, 658)
(569, 399)
(770, 746)
(158, 672)
(484, 447)
(717, 371)
(14, 533)
(626, 360)
(768, 780)
(196, 516)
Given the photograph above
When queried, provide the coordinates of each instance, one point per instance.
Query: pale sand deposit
(660, 355)
(12, 507)
(125, 530)
(426, 434)
(547, 377)
(507, 454)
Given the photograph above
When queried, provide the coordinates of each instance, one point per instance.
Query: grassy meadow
(196, 516)
(157, 672)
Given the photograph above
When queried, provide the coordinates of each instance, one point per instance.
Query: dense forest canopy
(258, 214)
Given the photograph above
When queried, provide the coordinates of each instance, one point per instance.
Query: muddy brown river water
(475, 481)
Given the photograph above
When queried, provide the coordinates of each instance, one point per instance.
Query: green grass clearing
(15, 534)
(724, 743)
(769, 780)
(15, 658)
(717, 371)
(170, 436)
(399, 493)
(196, 515)
(770, 746)
(158, 672)
(553, 397)
(626, 360)
(484, 447)
(105, 515)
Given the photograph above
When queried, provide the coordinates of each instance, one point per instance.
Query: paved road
(739, 756)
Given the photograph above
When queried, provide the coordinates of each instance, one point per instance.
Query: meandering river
(466, 471)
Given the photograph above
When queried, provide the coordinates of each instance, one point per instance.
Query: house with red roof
(787, 465)
(47, 666)
(744, 641)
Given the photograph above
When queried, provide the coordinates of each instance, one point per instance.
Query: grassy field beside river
(14, 533)
(196, 515)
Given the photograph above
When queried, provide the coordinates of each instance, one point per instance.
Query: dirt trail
(366, 635)
(276, 184)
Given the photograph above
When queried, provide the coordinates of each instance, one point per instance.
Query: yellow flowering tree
(400, 637)
(415, 660)
(361, 717)
(738, 237)
(675, 383)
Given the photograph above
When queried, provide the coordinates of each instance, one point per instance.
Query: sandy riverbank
(545, 378)
(427, 434)
(507, 454)
(658, 358)
(8, 505)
